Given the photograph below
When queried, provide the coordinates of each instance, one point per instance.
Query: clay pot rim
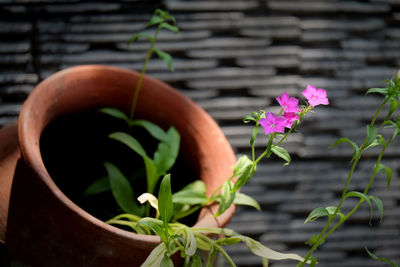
(30, 152)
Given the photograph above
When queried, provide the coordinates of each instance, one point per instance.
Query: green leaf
(388, 171)
(227, 198)
(130, 141)
(189, 197)
(191, 244)
(394, 104)
(166, 57)
(260, 250)
(371, 137)
(170, 27)
(196, 261)
(382, 91)
(356, 149)
(229, 240)
(211, 256)
(166, 261)
(156, 256)
(155, 225)
(317, 213)
(382, 259)
(282, 153)
(116, 113)
(165, 205)
(248, 119)
(254, 135)
(151, 174)
(122, 190)
(242, 199)
(312, 240)
(154, 20)
(99, 186)
(153, 129)
(167, 151)
(379, 205)
(244, 170)
(136, 36)
(362, 197)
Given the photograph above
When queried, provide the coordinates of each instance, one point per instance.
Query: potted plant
(57, 232)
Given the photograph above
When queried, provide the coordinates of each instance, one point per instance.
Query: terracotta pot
(45, 228)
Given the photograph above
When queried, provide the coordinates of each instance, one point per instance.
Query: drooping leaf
(379, 205)
(99, 186)
(362, 197)
(227, 198)
(136, 36)
(166, 261)
(262, 251)
(388, 171)
(171, 28)
(165, 57)
(356, 149)
(211, 256)
(154, 20)
(317, 213)
(130, 141)
(191, 244)
(167, 151)
(196, 261)
(248, 119)
(156, 256)
(122, 190)
(282, 153)
(254, 135)
(371, 137)
(382, 259)
(229, 240)
(165, 204)
(243, 199)
(153, 129)
(244, 170)
(116, 113)
(155, 225)
(382, 91)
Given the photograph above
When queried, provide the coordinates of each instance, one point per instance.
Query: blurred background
(232, 58)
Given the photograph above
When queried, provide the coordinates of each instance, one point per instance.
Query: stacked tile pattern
(232, 58)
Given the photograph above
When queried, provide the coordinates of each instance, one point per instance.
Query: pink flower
(290, 118)
(315, 96)
(272, 123)
(289, 104)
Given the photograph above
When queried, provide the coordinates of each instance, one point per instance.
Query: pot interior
(74, 148)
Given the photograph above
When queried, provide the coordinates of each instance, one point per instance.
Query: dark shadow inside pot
(75, 147)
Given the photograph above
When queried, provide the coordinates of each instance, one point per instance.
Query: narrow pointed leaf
(151, 174)
(316, 213)
(254, 135)
(154, 20)
(122, 190)
(262, 251)
(227, 198)
(170, 27)
(189, 197)
(244, 170)
(282, 153)
(152, 128)
(166, 261)
(155, 257)
(388, 171)
(382, 91)
(165, 205)
(99, 186)
(130, 141)
(371, 136)
(382, 259)
(243, 199)
(356, 149)
(155, 225)
(166, 57)
(379, 205)
(363, 197)
(136, 36)
(116, 113)
(191, 244)
(167, 151)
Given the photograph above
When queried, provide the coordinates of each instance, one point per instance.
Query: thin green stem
(144, 68)
(322, 236)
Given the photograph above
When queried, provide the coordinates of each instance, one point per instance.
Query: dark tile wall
(234, 57)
